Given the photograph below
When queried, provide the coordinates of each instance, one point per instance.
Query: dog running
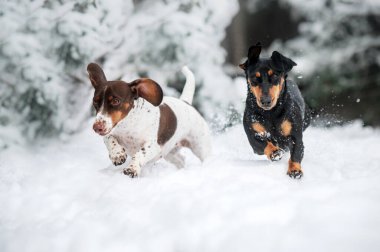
(136, 119)
(275, 113)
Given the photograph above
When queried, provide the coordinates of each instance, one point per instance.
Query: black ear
(253, 56)
(281, 63)
(147, 89)
(96, 75)
(254, 53)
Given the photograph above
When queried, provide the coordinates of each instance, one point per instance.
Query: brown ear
(96, 75)
(147, 89)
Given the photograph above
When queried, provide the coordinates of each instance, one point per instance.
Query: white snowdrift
(66, 197)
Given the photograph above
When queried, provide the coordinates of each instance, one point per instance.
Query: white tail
(189, 88)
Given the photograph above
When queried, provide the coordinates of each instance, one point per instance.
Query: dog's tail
(189, 88)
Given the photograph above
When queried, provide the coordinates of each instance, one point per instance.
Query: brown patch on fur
(257, 74)
(256, 91)
(275, 91)
(168, 124)
(118, 115)
(147, 89)
(294, 166)
(286, 128)
(184, 143)
(110, 98)
(257, 127)
(270, 72)
(269, 149)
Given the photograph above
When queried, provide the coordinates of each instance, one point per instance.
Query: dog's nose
(266, 101)
(99, 127)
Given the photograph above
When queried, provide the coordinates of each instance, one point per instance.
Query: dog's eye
(115, 101)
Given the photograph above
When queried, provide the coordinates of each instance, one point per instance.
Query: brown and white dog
(136, 119)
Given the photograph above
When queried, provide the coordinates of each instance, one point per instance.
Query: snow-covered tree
(337, 52)
(45, 46)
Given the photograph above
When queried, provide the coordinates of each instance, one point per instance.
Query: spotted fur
(145, 128)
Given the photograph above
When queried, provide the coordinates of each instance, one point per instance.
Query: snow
(65, 196)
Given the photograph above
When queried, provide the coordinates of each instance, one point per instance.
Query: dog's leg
(273, 152)
(201, 148)
(150, 152)
(176, 158)
(296, 155)
(116, 152)
(199, 141)
(261, 141)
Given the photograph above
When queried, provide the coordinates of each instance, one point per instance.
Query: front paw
(263, 136)
(276, 155)
(118, 156)
(131, 172)
(273, 152)
(295, 174)
(294, 170)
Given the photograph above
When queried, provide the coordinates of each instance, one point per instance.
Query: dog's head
(113, 100)
(266, 77)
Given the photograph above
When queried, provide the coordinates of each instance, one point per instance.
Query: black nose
(266, 101)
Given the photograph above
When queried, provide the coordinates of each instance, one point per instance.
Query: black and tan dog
(275, 113)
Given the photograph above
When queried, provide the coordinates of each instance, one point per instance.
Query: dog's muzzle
(100, 128)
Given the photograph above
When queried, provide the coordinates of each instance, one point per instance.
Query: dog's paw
(118, 155)
(295, 174)
(263, 136)
(130, 172)
(276, 155)
(294, 170)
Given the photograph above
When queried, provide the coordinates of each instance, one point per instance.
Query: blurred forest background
(45, 46)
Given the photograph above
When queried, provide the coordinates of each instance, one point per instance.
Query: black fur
(290, 104)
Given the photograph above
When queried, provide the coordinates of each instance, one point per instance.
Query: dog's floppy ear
(147, 89)
(96, 75)
(281, 63)
(253, 56)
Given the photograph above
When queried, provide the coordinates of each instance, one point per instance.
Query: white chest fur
(138, 127)
(138, 135)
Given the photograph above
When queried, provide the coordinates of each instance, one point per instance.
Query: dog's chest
(276, 133)
(138, 128)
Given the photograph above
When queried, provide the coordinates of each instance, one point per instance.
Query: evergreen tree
(46, 46)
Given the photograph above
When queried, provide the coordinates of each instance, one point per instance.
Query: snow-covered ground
(67, 197)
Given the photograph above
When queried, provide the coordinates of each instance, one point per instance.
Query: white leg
(176, 158)
(201, 146)
(150, 152)
(116, 152)
(200, 142)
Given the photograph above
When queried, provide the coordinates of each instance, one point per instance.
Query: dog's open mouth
(103, 133)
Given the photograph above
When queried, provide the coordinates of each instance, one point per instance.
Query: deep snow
(67, 197)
